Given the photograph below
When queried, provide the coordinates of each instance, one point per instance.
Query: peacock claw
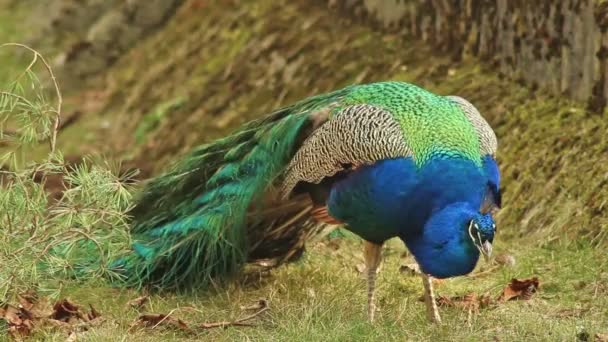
(432, 310)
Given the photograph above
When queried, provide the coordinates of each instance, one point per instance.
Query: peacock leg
(372, 254)
(429, 298)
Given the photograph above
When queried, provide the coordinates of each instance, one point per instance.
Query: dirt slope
(215, 65)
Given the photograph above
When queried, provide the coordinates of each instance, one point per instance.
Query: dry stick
(168, 318)
(484, 273)
(239, 322)
(29, 67)
(224, 324)
(165, 318)
(53, 139)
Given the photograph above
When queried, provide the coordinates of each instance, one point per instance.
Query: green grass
(322, 298)
(555, 227)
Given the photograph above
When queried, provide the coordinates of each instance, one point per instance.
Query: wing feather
(350, 138)
(488, 145)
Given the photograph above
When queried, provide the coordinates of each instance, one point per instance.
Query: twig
(53, 139)
(239, 322)
(148, 319)
(165, 318)
(485, 272)
(225, 324)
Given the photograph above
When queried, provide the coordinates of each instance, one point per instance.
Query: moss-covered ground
(218, 64)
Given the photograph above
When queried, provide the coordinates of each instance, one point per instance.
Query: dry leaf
(69, 312)
(18, 320)
(22, 318)
(66, 311)
(139, 302)
(519, 289)
(33, 311)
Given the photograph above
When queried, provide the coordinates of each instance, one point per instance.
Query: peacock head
(453, 240)
(481, 230)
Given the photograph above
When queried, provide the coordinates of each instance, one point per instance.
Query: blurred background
(145, 81)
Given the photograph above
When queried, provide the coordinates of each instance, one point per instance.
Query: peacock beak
(486, 250)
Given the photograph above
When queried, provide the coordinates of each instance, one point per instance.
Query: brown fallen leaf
(155, 320)
(37, 308)
(519, 289)
(22, 318)
(139, 302)
(18, 321)
(66, 311)
(33, 311)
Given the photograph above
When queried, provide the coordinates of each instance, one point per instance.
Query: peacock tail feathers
(194, 223)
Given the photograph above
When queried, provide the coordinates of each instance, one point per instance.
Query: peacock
(386, 159)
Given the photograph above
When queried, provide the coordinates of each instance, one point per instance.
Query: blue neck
(442, 182)
(394, 197)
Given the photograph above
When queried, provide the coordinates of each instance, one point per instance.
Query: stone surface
(559, 45)
(93, 34)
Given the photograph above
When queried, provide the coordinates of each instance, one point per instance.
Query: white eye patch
(476, 242)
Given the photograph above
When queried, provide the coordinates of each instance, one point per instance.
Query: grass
(322, 298)
(553, 226)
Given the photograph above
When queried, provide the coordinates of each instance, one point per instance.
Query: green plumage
(189, 225)
(431, 124)
(194, 223)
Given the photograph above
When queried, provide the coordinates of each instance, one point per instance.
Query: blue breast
(395, 198)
